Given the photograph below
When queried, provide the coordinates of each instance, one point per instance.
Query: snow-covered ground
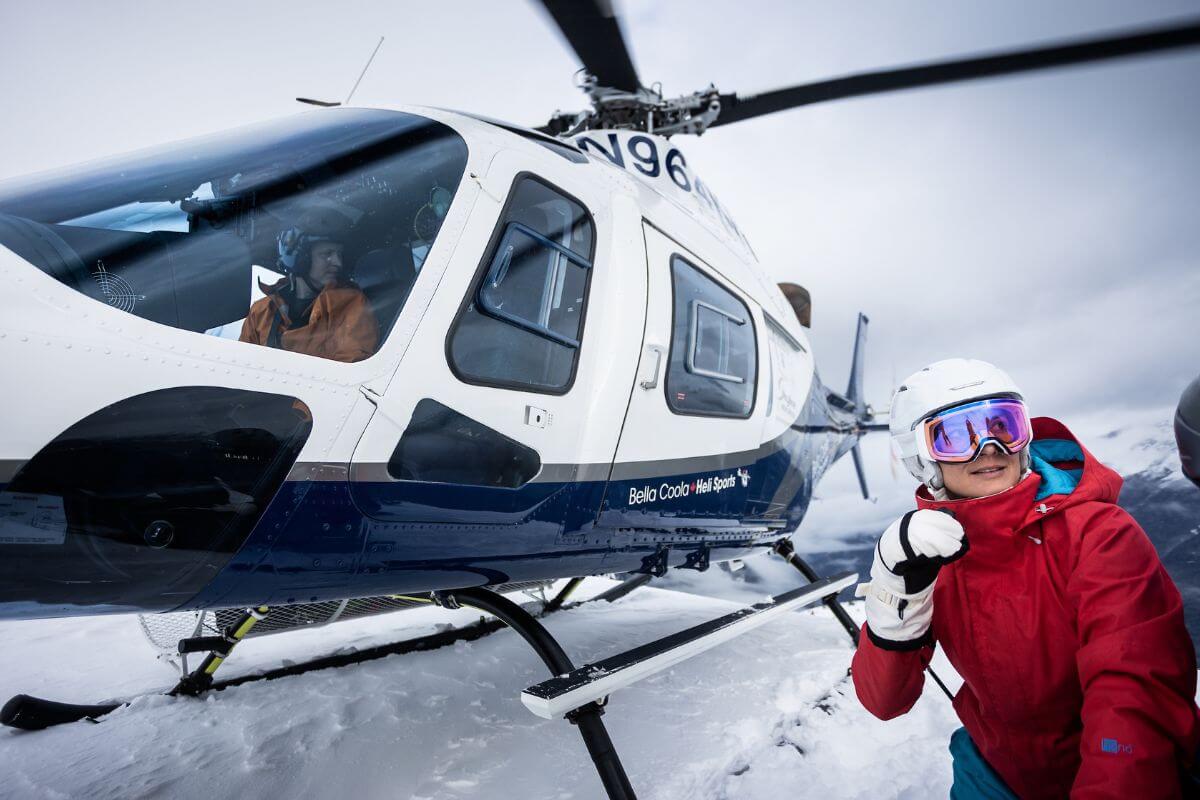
(771, 715)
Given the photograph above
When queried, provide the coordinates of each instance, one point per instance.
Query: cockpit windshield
(305, 234)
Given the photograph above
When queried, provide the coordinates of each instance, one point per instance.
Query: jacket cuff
(905, 646)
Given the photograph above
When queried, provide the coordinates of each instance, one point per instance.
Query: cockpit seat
(386, 276)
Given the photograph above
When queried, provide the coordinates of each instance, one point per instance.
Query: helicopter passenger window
(522, 324)
(304, 234)
(713, 363)
(441, 445)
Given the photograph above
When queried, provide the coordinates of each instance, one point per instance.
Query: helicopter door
(496, 436)
(691, 436)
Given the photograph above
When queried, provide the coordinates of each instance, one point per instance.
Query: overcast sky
(1049, 223)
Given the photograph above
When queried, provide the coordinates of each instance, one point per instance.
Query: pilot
(1079, 676)
(315, 309)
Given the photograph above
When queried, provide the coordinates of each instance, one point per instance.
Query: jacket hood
(1063, 474)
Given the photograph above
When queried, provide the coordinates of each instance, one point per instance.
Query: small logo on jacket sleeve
(1115, 747)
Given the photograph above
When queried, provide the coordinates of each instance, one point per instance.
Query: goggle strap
(906, 443)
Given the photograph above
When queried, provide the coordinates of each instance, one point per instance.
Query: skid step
(560, 695)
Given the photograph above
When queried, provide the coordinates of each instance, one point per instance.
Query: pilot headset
(295, 249)
(295, 243)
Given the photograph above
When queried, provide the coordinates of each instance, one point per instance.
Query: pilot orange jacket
(1080, 676)
(340, 326)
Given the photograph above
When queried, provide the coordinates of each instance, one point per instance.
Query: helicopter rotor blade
(592, 30)
(736, 109)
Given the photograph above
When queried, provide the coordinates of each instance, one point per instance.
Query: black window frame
(488, 308)
(670, 350)
(485, 267)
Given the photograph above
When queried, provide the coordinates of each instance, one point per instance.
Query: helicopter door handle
(652, 350)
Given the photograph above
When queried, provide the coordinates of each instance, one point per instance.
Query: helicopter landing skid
(34, 713)
(571, 689)
(580, 694)
(585, 715)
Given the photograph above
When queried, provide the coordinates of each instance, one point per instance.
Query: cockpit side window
(304, 235)
(713, 365)
(521, 327)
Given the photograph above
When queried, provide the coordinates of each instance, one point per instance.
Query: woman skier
(1079, 675)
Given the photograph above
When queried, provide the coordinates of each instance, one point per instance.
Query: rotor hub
(643, 110)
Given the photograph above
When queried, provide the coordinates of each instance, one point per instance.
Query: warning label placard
(32, 519)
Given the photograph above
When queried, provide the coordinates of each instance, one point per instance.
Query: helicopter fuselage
(588, 372)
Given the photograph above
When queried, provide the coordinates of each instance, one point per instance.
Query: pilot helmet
(317, 224)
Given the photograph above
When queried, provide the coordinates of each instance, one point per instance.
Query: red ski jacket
(1079, 675)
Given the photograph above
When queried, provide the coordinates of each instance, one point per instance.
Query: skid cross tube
(561, 597)
(787, 550)
(200, 679)
(587, 718)
(625, 587)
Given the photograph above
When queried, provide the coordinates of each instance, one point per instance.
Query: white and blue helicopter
(580, 368)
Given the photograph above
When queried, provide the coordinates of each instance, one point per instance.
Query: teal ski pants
(974, 779)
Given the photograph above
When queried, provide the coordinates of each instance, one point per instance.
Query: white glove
(899, 596)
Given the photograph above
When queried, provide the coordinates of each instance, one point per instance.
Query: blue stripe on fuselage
(322, 540)
(331, 539)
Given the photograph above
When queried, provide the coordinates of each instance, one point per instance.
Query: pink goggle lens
(959, 434)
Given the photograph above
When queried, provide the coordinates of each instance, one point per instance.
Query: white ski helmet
(943, 385)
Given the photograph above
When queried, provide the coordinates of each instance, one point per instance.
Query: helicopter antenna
(346, 102)
(333, 103)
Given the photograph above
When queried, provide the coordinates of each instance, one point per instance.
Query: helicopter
(581, 367)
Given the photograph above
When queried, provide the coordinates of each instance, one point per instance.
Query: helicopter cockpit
(187, 235)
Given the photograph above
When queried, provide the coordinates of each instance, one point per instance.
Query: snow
(1133, 442)
(770, 715)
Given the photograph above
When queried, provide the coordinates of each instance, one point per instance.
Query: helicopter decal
(656, 160)
(671, 491)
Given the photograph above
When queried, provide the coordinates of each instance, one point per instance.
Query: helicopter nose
(139, 505)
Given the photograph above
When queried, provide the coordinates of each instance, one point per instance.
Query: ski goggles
(959, 434)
